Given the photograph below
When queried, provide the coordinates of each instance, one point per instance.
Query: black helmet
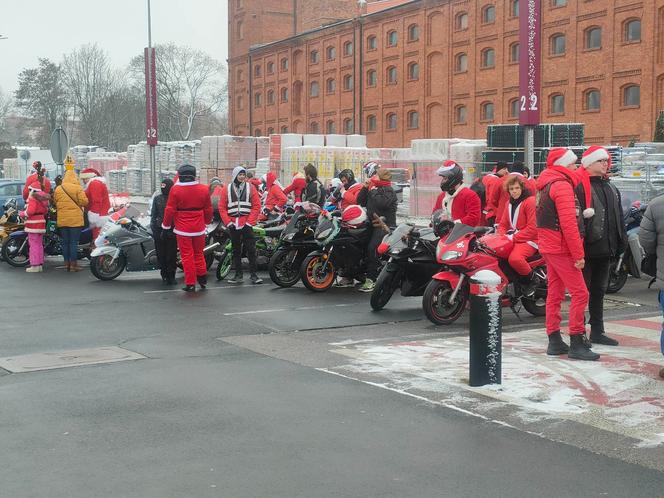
(347, 173)
(440, 224)
(452, 176)
(186, 173)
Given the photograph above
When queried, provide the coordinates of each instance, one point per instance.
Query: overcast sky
(47, 28)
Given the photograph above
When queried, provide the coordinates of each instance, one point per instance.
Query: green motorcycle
(267, 242)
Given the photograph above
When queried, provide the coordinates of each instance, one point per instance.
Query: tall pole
(530, 52)
(153, 164)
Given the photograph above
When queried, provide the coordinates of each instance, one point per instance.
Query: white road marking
(181, 291)
(303, 308)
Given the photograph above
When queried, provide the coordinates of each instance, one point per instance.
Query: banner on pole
(151, 96)
(530, 53)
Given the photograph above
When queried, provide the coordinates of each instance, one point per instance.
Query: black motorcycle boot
(164, 277)
(600, 337)
(556, 345)
(580, 349)
(170, 279)
(202, 281)
(189, 288)
(528, 285)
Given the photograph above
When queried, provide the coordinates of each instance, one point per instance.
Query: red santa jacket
(490, 182)
(36, 212)
(242, 211)
(297, 186)
(349, 197)
(500, 197)
(32, 179)
(522, 220)
(464, 207)
(98, 202)
(275, 194)
(189, 208)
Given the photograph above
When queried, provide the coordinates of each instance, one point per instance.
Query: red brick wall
(440, 89)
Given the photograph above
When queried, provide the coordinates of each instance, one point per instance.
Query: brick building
(397, 70)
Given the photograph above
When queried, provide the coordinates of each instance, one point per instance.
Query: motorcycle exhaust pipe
(211, 247)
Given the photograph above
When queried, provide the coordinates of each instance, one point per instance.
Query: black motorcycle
(629, 262)
(411, 254)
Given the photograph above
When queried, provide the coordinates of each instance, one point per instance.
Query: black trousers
(167, 253)
(596, 275)
(244, 239)
(373, 262)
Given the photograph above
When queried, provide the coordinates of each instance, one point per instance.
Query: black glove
(167, 234)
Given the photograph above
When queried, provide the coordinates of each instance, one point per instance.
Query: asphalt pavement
(238, 392)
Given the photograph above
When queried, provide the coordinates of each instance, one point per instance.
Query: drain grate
(65, 359)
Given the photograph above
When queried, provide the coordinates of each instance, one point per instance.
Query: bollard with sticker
(486, 318)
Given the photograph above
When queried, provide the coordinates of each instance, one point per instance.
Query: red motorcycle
(463, 252)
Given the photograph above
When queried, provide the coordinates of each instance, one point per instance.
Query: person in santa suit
(38, 176)
(297, 186)
(490, 182)
(275, 200)
(98, 202)
(348, 192)
(35, 225)
(239, 207)
(499, 195)
(519, 223)
(458, 202)
(188, 212)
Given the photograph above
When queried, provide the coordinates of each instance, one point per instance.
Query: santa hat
(88, 173)
(593, 154)
(35, 187)
(560, 156)
(447, 166)
(584, 179)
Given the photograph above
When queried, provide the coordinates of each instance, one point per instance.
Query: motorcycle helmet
(348, 174)
(440, 224)
(370, 169)
(186, 173)
(452, 175)
(354, 216)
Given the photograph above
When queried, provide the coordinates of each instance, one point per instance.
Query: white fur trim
(594, 156)
(566, 159)
(96, 220)
(588, 213)
(443, 169)
(188, 234)
(165, 227)
(187, 184)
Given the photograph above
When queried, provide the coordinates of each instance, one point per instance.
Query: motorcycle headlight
(324, 234)
(450, 255)
(289, 236)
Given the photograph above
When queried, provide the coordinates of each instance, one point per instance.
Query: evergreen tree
(659, 128)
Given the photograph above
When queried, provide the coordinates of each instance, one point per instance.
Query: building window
(632, 96)
(258, 99)
(489, 14)
(348, 82)
(372, 78)
(270, 68)
(461, 63)
(257, 71)
(284, 129)
(257, 132)
(461, 21)
(633, 30)
(270, 97)
(514, 8)
(558, 3)
(348, 49)
(557, 44)
(513, 108)
(392, 75)
(391, 121)
(413, 32)
(593, 38)
(240, 75)
(240, 30)
(460, 114)
(348, 126)
(557, 104)
(314, 89)
(314, 127)
(240, 103)
(592, 100)
(331, 86)
(486, 111)
(488, 58)
(371, 123)
(284, 64)
(413, 120)
(331, 53)
(413, 71)
(284, 94)
(392, 38)
(372, 43)
(270, 131)
(314, 57)
(331, 127)
(514, 52)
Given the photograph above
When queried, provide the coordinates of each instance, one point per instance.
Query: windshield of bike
(398, 239)
(458, 231)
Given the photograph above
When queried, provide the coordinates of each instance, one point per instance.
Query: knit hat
(560, 156)
(88, 173)
(593, 154)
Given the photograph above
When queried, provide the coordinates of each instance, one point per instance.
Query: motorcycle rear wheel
(105, 268)
(386, 283)
(312, 275)
(617, 279)
(435, 302)
(224, 266)
(534, 305)
(15, 251)
(284, 267)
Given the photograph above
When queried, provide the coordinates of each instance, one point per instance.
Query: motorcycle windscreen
(458, 231)
(398, 239)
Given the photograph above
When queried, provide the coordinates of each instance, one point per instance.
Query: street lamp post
(151, 121)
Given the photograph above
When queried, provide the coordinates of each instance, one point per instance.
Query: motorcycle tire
(617, 279)
(439, 291)
(285, 277)
(12, 252)
(104, 270)
(386, 283)
(311, 276)
(224, 266)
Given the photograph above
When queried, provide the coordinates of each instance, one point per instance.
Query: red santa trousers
(519, 256)
(562, 274)
(193, 259)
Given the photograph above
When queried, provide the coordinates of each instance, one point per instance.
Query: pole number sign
(530, 52)
(150, 96)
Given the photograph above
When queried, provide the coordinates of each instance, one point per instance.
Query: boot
(67, 266)
(202, 281)
(74, 267)
(528, 285)
(599, 337)
(189, 288)
(33, 269)
(556, 345)
(580, 349)
(237, 278)
(164, 278)
(170, 279)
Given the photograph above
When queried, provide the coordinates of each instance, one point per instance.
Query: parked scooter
(463, 253)
(10, 221)
(629, 262)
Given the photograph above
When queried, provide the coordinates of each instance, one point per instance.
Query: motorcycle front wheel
(16, 251)
(316, 275)
(436, 302)
(106, 268)
(284, 267)
(386, 283)
(224, 266)
(617, 279)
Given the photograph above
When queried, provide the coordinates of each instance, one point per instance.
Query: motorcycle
(342, 252)
(629, 261)
(10, 221)
(297, 240)
(463, 253)
(411, 254)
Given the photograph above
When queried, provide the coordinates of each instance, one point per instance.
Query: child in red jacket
(35, 225)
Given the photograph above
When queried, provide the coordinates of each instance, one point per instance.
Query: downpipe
(455, 293)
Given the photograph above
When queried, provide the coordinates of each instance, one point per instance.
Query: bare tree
(190, 85)
(5, 107)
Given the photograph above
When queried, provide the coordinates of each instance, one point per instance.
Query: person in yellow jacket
(70, 201)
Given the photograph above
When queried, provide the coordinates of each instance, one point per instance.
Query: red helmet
(354, 216)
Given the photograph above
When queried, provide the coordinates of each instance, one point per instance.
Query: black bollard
(486, 321)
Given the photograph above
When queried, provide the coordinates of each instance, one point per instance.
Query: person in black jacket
(381, 203)
(604, 238)
(314, 191)
(164, 240)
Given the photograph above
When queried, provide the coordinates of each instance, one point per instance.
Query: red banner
(150, 96)
(530, 53)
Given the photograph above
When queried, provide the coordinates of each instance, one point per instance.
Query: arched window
(372, 78)
(391, 121)
(284, 64)
(487, 111)
(270, 67)
(284, 129)
(489, 14)
(240, 102)
(270, 97)
(461, 63)
(257, 71)
(314, 128)
(593, 38)
(557, 104)
(557, 44)
(460, 114)
(257, 132)
(392, 75)
(632, 96)
(592, 100)
(284, 94)
(348, 48)
(371, 123)
(240, 30)
(240, 75)
(270, 131)
(514, 8)
(372, 43)
(314, 57)
(331, 86)
(314, 89)
(513, 108)
(413, 71)
(461, 21)
(348, 82)
(413, 32)
(392, 38)
(413, 120)
(488, 58)
(331, 127)
(258, 99)
(632, 30)
(514, 52)
(331, 53)
(348, 126)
